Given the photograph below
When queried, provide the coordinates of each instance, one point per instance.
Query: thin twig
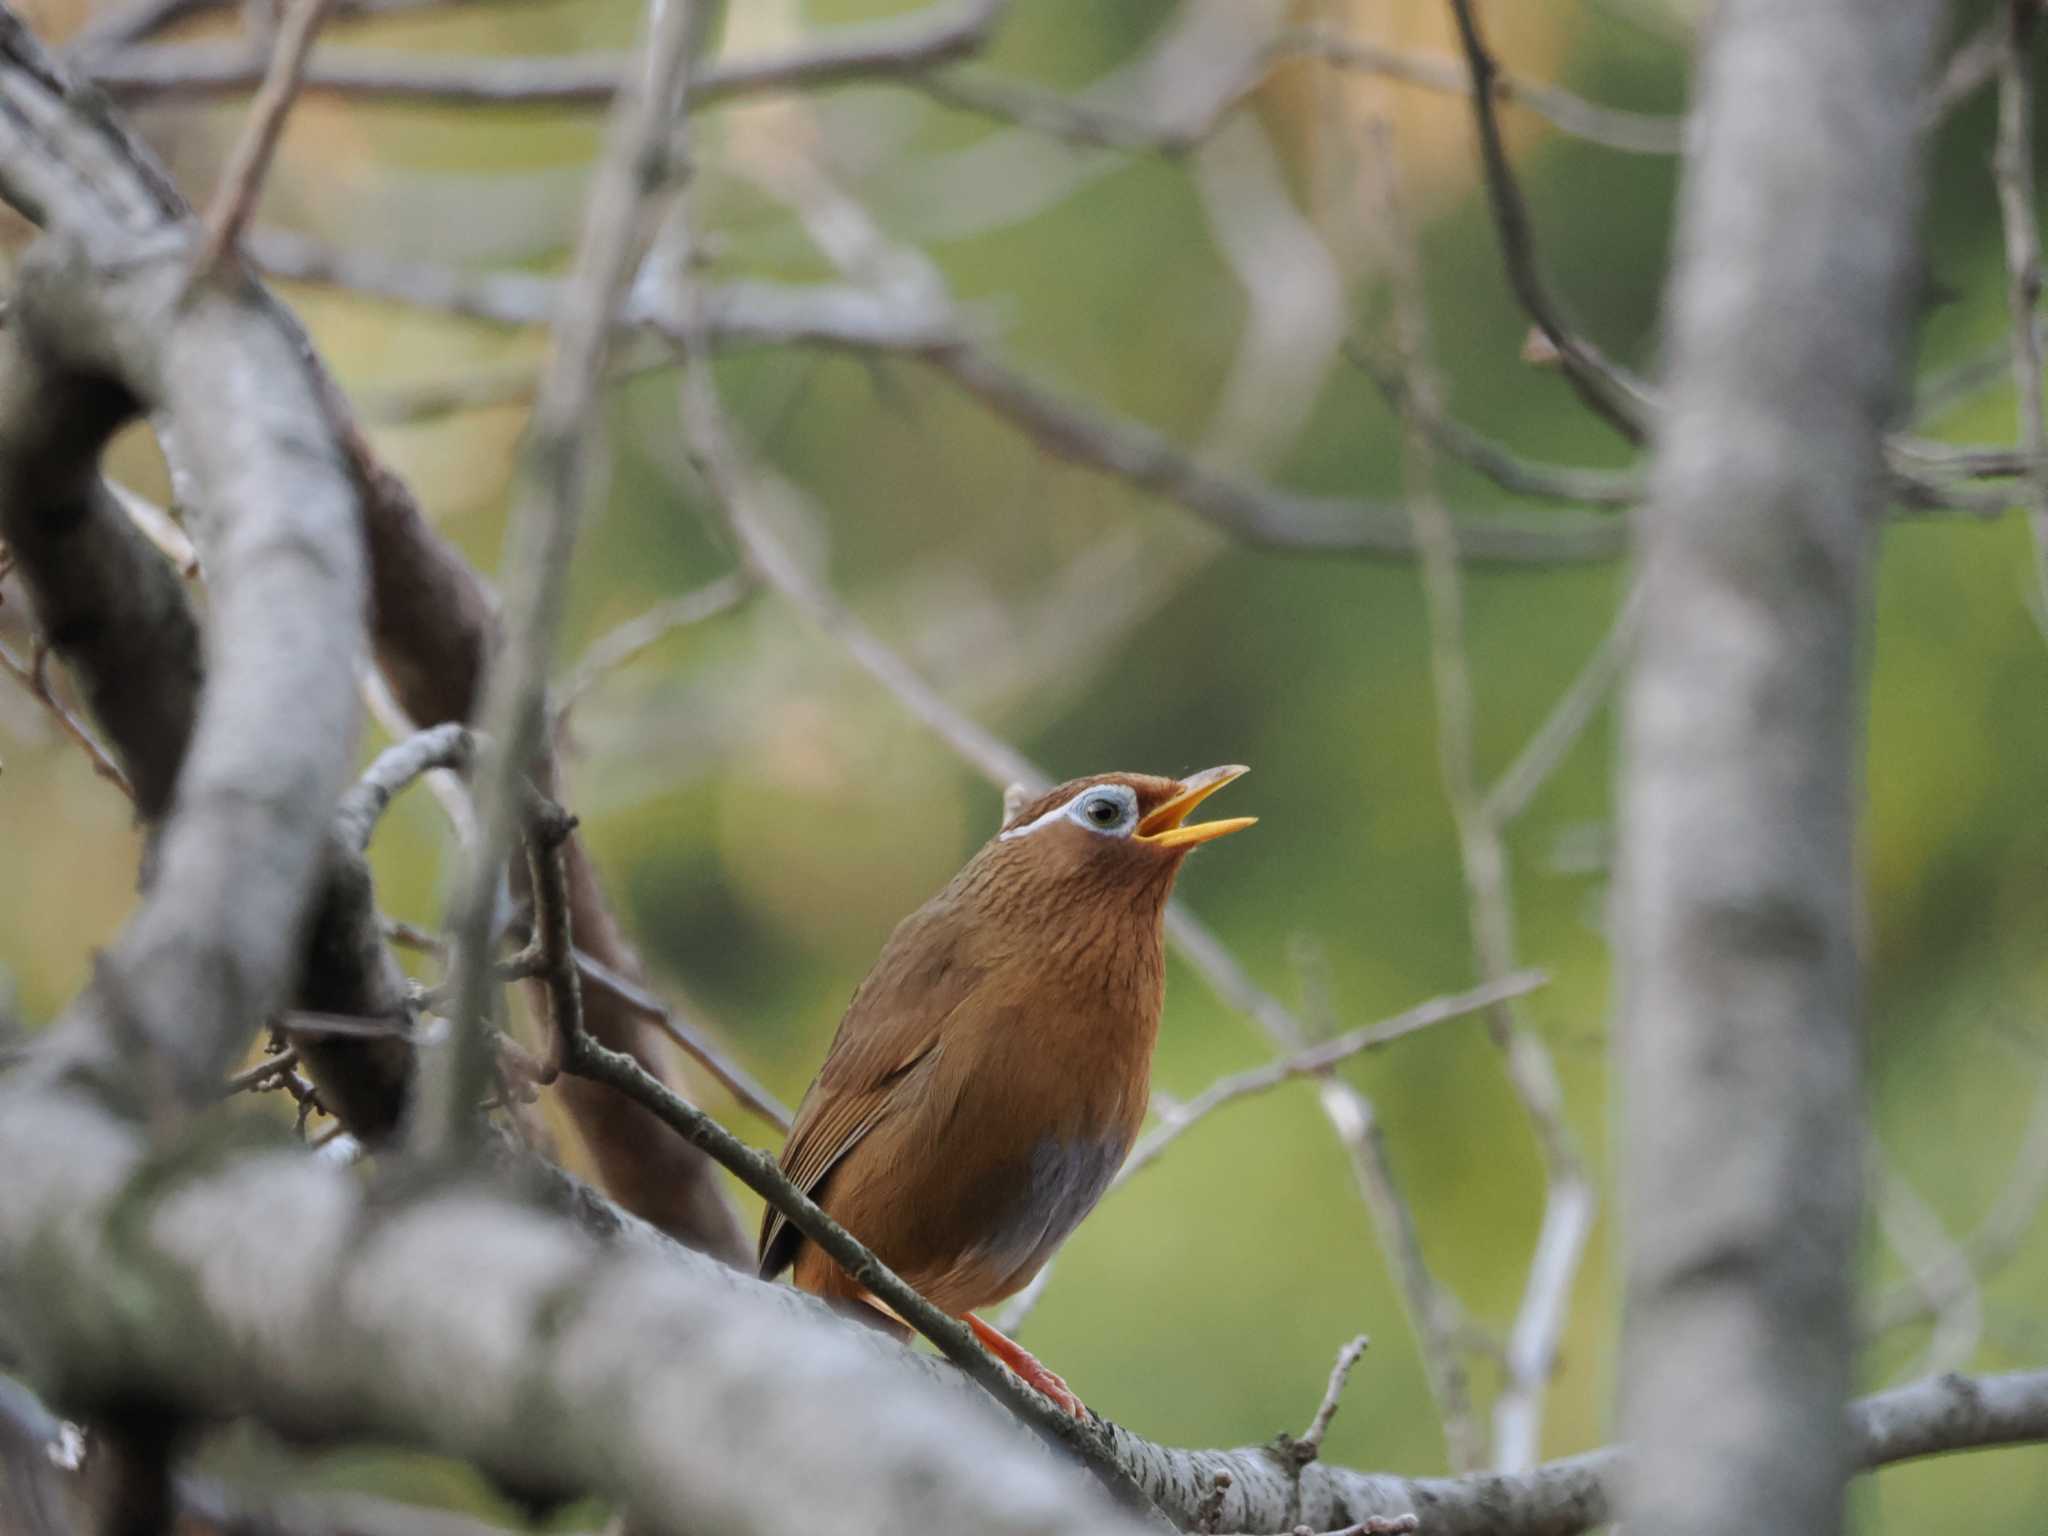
(1938, 1265)
(1308, 1445)
(33, 675)
(160, 528)
(546, 517)
(746, 1090)
(1994, 1241)
(547, 829)
(2012, 165)
(729, 1074)
(234, 200)
(885, 51)
(1545, 752)
(1942, 391)
(1969, 69)
(1633, 133)
(1319, 1059)
(300, 1021)
(442, 746)
(264, 1070)
(615, 647)
(1080, 121)
(1088, 435)
(1432, 1312)
(1084, 433)
(412, 936)
(1483, 858)
(1494, 459)
(1603, 385)
(120, 27)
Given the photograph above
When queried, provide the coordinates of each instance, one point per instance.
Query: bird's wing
(891, 1033)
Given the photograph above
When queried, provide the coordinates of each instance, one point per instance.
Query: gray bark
(210, 1280)
(1741, 1087)
(86, 351)
(215, 945)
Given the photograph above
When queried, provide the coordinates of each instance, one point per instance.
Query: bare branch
(363, 1312)
(1969, 69)
(1545, 752)
(1994, 1241)
(1308, 1445)
(1633, 133)
(656, 1344)
(1432, 1311)
(1789, 322)
(554, 941)
(1319, 1059)
(1605, 387)
(441, 746)
(885, 51)
(434, 627)
(241, 183)
(546, 516)
(278, 518)
(1088, 436)
(33, 675)
(615, 647)
(1081, 433)
(260, 1074)
(1483, 860)
(692, 1041)
(2012, 167)
(1938, 1264)
(1495, 460)
(159, 527)
(115, 27)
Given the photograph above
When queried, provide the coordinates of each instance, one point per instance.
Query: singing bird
(993, 1069)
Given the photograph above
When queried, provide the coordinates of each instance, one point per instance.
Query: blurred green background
(764, 813)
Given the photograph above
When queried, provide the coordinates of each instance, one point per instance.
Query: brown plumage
(993, 1069)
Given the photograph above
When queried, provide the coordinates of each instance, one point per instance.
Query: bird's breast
(1064, 1178)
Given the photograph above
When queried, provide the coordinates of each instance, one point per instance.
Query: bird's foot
(1027, 1367)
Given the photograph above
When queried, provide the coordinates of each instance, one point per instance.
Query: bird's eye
(1104, 812)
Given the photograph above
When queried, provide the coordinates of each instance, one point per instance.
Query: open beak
(1164, 829)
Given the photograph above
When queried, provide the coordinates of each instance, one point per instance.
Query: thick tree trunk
(1744, 1138)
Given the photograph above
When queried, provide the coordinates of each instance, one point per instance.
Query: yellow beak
(1163, 829)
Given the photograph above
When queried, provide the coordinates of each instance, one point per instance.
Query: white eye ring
(1086, 809)
(1109, 809)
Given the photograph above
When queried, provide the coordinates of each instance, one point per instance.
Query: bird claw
(1027, 1368)
(1049, 1386)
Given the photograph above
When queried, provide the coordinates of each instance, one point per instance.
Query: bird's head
(1112, 830)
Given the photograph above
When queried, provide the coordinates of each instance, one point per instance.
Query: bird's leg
(1026, 1366)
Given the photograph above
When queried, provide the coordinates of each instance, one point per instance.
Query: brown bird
(993, 1069)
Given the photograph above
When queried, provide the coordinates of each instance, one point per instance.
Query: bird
(993, 1069)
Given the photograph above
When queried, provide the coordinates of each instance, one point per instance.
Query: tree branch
(1568, 1196)
(1606, 388)
(1790, 313)
(268, 1283)
(433, 627)
(547, 508)
(1319, 1059)
(885, 51)
(98, 320)
(241, 183)
(2012, 166)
